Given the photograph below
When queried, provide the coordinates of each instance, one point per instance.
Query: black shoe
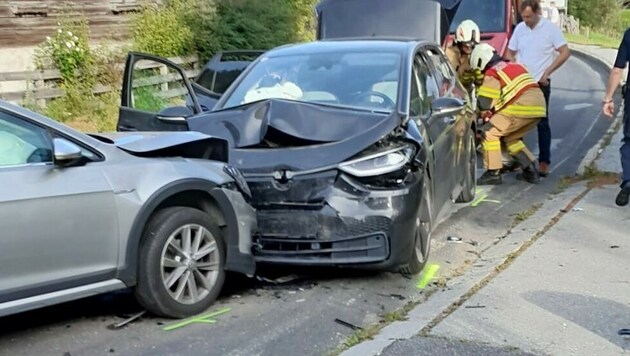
(624, 195)
(530, 174)
(490, 177)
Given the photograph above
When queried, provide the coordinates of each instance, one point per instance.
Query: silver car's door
(58, 225)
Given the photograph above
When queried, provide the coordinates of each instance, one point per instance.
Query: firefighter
(467, 36)
(513, 103)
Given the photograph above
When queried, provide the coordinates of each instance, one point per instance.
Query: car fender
(239, 217)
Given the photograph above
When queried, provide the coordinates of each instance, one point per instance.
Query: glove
(478, 77)
(467, 78)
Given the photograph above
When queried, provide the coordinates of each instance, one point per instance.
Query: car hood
(187, 144)
(272, 135)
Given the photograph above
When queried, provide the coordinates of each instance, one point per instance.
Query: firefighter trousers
(511, 130)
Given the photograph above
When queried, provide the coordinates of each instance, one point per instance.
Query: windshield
(366, 80)
(488, 14)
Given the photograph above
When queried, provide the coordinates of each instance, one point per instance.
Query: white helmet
(481, 56)
(467, 31)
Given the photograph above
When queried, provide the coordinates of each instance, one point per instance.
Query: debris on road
(614, 246)
(280, 280)
(347, 324)
(577, 209)
(206, 319)
(134, 317)
(300, 300)
(397, 296)
(454, 239)
(624, 332)
(475, 306)
(427, 276)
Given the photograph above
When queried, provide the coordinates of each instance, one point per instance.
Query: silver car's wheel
(181, 269)
(190, 263)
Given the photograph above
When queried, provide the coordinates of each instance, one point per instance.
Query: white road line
(579, 106)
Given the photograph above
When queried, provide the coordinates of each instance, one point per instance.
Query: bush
(242, 24)
(81, 68)
(602, 15)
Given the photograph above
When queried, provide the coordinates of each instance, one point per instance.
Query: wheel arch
(199, 194)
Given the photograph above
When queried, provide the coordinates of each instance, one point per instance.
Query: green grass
(594, 38)
(625, 18)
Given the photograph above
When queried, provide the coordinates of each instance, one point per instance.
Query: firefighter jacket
(509, 89)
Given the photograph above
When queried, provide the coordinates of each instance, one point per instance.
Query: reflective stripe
(492, 145)
(526, 111)
(516, 147)
(511, 88)
(489, 92)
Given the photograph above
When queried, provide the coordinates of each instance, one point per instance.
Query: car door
(59, 227)
(446, 153)
(156, 95)
(436, 128)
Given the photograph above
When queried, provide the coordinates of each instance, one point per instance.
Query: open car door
(158, 95)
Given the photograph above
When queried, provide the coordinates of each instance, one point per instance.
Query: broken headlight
(379, 163)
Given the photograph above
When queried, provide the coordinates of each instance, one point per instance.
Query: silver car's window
(22, 143)
(355, 79)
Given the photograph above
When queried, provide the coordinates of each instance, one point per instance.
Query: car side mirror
(175, 114)
(66, 153)
(442, 107)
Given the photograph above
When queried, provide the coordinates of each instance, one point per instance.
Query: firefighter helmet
(481, 56)
(467, 31)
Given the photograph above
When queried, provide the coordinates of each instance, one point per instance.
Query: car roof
(372, 44)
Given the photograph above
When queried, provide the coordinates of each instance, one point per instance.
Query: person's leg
(544, 135)
(624, 195)
(516, 148)
(492, 157)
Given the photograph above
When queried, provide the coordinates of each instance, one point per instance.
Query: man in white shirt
(534, 43)
(554, 14)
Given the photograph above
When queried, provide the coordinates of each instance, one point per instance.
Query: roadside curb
(594, 152)
(459, 289)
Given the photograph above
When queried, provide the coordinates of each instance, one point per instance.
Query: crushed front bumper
(331, 219)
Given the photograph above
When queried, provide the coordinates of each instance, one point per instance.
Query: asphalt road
(298, 317)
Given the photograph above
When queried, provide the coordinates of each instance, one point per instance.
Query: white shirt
(554, 15)
(535, 48)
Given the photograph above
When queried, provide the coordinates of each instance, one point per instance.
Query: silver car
(86, 214)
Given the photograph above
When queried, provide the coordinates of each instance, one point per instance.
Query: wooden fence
(41, 85)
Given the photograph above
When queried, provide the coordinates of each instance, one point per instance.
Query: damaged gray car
(352, 149)
(161, 213)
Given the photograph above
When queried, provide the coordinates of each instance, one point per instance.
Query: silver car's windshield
(366, 80)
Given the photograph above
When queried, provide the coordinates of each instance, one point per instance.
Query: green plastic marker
(205, 319)
(428, 276)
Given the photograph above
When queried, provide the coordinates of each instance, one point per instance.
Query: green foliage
(603, 15)
(242, 24)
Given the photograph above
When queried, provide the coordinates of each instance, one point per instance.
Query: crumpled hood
(188, 144)
(281, 134)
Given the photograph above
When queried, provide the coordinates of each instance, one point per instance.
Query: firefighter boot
(530, 172)
(490, 177)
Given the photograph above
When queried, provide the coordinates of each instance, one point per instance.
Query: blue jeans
(544, 130)
(625, 147)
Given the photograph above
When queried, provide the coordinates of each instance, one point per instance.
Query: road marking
(204, 319)
(431, 270)
(579, 106)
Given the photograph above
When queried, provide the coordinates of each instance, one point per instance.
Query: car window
(489, 15)
(22, 142)
(355, 79)
(442, 70)
(419, 104)
(156, 86)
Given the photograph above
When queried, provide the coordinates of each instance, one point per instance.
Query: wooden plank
(30, 75)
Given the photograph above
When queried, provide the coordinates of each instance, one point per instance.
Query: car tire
(181, 263)
(470, 180)
(422, 239)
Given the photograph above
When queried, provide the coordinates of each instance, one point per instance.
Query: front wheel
(422, 244)
(181, 265)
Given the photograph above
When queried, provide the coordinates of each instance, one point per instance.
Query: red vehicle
(496, 20)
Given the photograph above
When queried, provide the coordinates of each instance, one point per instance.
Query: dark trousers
(544, 130)
(625, 147)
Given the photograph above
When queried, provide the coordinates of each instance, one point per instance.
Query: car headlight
(378, 163)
